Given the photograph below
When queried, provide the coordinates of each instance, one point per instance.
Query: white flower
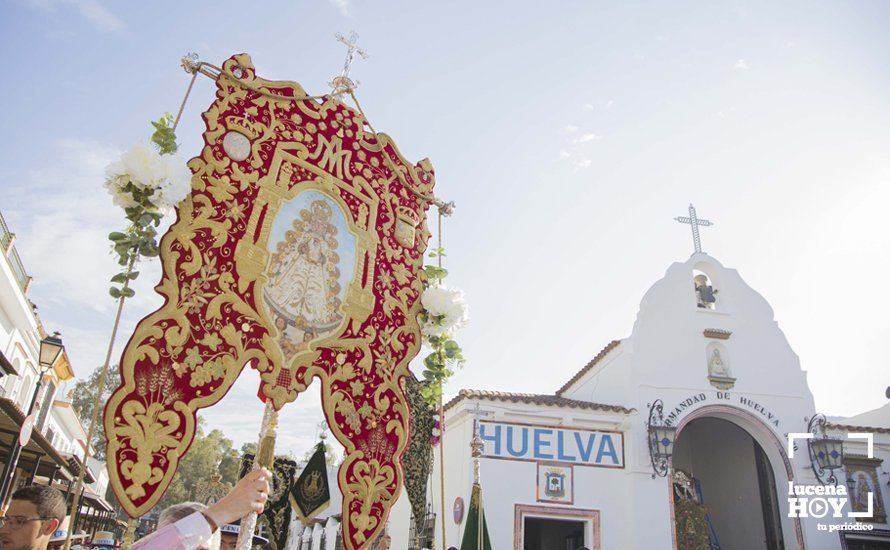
(115, 170)
(121, 198)
(167, 177)
(447, 303)
(176, 185)
(144, 165)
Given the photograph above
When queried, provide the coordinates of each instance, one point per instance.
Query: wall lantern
(851, 483)
(661, 439)
(826, 453)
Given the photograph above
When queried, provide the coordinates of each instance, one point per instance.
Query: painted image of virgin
(304, 290)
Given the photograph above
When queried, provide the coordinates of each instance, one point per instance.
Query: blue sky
(568, 133)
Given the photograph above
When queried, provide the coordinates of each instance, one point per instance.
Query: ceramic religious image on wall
(864, 473)
(311, 265)
(719, 374)
(555, 483)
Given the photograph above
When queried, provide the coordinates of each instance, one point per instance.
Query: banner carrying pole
(265, 458)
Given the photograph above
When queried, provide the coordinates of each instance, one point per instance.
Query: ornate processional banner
(299, 252)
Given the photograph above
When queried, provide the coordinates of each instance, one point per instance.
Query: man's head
(228, 539)
(176, 512)
(33, 515)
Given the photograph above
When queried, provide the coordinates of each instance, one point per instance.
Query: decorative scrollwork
(660, 461)
(817, 427)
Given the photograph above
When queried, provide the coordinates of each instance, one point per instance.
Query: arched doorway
(737, 469)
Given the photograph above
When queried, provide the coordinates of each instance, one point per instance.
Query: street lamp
(826, 453)
(51, 349)
(661, 439)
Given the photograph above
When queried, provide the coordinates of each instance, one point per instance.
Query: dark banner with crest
(311, 493)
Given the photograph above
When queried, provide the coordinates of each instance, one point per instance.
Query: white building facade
(573, 469)
(56, 447)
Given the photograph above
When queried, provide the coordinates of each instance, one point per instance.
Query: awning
(96, 502)
(11, 418)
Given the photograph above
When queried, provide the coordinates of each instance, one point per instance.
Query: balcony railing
(7, 240)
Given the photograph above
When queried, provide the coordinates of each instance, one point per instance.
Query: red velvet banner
(299, 251)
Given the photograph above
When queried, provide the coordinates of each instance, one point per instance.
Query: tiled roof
(717, 333)
(603, 352)
(534, 399)
(851, 428)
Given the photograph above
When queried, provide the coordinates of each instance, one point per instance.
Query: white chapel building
(578, 468)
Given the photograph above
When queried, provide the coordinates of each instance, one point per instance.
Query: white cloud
(342, 6)
(565, 154)
(99, 16)
(63, 241)
(590, 107)
(585, 138)
(570, 129)
(92, 10)
(741, 65)
(582, 164)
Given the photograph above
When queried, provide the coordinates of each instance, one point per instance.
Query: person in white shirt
(199, 529)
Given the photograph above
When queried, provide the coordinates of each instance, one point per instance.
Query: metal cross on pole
(342, 83)
(695, 223)
(476, 444)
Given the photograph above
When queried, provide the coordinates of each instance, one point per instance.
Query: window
(12, 381)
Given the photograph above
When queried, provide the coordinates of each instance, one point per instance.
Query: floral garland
(444, 312)
(148, 181)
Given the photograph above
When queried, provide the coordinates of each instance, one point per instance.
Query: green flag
(311, 494)
(472, 540)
